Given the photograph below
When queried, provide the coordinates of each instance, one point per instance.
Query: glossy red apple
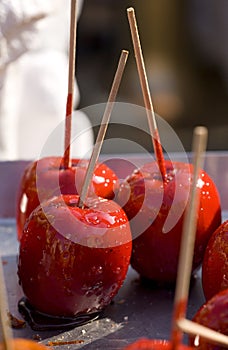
(213, 314)
(215, 262)
(72, 260)
(155, 211)
(154, 344)
(47, 177)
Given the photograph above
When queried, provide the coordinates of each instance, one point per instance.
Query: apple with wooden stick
(75, 251)
(154, 198)
(214, 267)
(189, 228)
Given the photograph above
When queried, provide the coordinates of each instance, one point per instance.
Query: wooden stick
(206, 333)
(146, 92)
(71, 77)
(103, 126)
(188, 235)
(4, 326)
(190, 220)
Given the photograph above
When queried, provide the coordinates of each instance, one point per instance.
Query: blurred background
(185, 49)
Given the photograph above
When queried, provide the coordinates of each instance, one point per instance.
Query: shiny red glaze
(215, 262)
(72, 260)
(213, 314)
(148, 202)
(154, 344)
(49, 177)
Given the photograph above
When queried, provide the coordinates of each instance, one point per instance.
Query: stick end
(200, 130)
(130, 10)
(125, 52)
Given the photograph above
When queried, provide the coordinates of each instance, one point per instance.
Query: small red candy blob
(212, 314)
(156, 209)
(154, 344)
(215, 262)
(74, 260)
(47, 177)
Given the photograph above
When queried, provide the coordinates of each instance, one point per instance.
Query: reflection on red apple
(47, 177)
(215, 262)
(213, 314)
(73, 260)
(155, 211)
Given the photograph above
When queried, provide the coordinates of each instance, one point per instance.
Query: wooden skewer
(188, 236)
(146, 92)
(190, 220)
(103, 127)
(194, 328)
(71, 77)
(4, 327)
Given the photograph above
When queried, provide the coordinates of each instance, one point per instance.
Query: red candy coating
(152, 206)
(46, 178)
(215, 262)
(72, 260)
(213, 314)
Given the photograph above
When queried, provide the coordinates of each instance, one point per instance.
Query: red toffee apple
(155, 211)
(47, 177)
(213, 314)
(154, 344)
(215, 262)
(74, 260)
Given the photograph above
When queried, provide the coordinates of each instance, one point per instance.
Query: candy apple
(25, 344)
(154, 344)
(213, 314)
(47, 177)
(156, 209)
(215, 262)
(73, 260)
